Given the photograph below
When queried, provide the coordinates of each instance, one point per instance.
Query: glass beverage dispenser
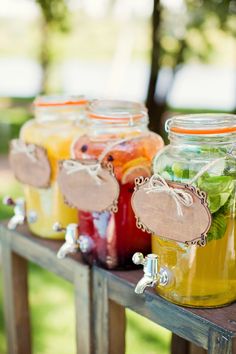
(118, 136)
(34, 157)
(200, 154)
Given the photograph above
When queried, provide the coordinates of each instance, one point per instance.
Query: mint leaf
(218, 189)
(218, 227)
(178, 170)
(167, 173)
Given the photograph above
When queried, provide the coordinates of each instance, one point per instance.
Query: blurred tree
(54, 18)
(180, 34)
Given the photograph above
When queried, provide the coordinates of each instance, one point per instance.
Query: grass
(11, 120)
(52, 309)
(2, 331)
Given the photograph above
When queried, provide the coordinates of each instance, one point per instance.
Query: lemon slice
(131, 173)
(139, 162)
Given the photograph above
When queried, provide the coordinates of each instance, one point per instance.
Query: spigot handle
(138, 258)
(152, 275)
(71, 244)
(57, 227)
(66, 249)
(7, 200)
(19, 211)
(86, 244)
(32, 217)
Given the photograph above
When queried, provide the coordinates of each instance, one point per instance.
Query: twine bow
(18, 146)
(157, 184)
(72, 166)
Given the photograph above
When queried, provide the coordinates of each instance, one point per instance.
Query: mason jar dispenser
(194, 236)
(99, 181)
(34, 159)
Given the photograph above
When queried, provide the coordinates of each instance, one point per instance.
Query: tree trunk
(44, 56)
(155, 109)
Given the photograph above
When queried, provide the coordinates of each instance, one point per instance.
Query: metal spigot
(86, 244)
(20, 216)
(151, 276)
(71, 244)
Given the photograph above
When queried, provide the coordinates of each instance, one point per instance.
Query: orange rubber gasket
(203, 131)
(68, 103)
(117, 119)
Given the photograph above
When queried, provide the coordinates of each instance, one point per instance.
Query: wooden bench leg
(182, 346)
(117, 327)
(83, 291)
(219, 344)
(109, 319)
(179, 345)
(16, 305)
(194, 349)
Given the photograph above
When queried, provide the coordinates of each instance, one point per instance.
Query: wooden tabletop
(224, 317)
(19, 247)
(40, 251)
(196, 325)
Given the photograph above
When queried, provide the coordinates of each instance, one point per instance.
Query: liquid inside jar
(114, 235)
(55, 127)
(204, 276)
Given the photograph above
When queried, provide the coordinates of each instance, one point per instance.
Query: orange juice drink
(58, 121)
(120, 129)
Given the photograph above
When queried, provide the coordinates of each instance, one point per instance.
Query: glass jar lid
(58, 101)
(116, 111)
(202, 124)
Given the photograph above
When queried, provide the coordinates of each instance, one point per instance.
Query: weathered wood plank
(193, 349)
(160, 311)
(100, 314)
(117, 327)
(185, 322)
(16, 307)
(113, 291)
(83, 313)
(219, 343)
(234, 345)
(41, 252)
(182, 346)
(179, 345)
(222, 317)
(109, 320)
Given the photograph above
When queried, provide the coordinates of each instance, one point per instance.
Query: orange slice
(139, 162)
(133, 172)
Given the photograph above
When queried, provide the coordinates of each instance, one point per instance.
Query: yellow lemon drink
(58, 121)
(199, 154)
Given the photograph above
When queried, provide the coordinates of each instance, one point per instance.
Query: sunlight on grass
(2, 329)
(53, 318)
(8, 186)
(143, 336)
